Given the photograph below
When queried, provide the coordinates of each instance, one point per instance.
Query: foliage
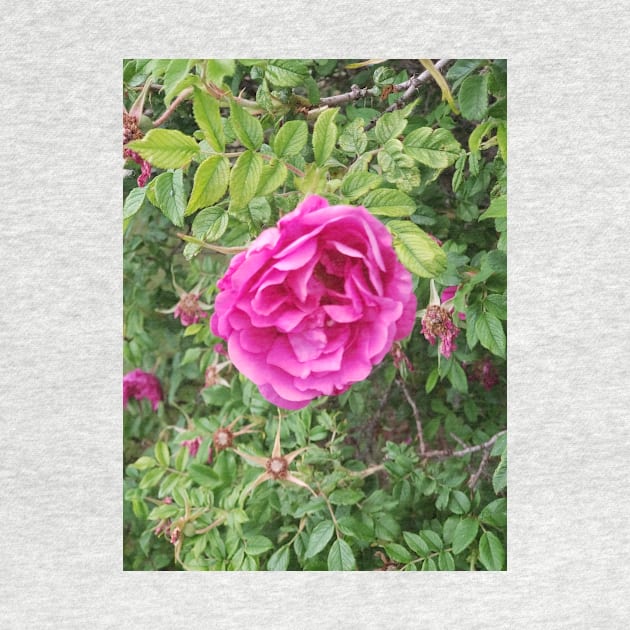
(406, 470)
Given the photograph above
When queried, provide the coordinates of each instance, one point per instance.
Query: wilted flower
(189, 309)
(314, 303)
(138, 384)
(437, 323)
(484, 372)
(132, 131)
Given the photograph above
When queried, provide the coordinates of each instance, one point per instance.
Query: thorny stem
(468, 450)
(214, 248)
(183, 95)
(212, 525)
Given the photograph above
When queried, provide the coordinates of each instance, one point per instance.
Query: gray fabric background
(60, 329)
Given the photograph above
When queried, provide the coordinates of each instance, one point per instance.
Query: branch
(183, 95)
(468, 450)
(472, 482)
(416, 415)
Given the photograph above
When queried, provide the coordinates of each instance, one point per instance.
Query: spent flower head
(437, 323)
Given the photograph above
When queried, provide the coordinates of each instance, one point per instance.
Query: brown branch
(416, 415)
(468, 450)
(183, 95)
(472, 482)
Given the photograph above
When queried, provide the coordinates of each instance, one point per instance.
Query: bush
(406, 469)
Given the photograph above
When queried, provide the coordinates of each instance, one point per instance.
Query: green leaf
(354, 139)
(321, 534)
(144, 463)
(203, 475)
(502, 140)
(416, 250)
(340, 557)
(495, 513)
(478, 133)
(151, 479)
(358, 183)
(435, 149)
(386, 527)
(458, 378)
(389, 202)
(500, 446)
(461, 69)
(133, 202)
(398, 553)
(432, 380)
(286, 72)
(465, 533)
(390, 125)
(279, 560)
(247, 128)
(257, 545)
(166, 148)
(291, 138)
(162, 454)
(244, 179)
(208, 117)
(416, 543)
(216, 69)
(346, 496)
(496, 210)
(324, 135)
(499, 478)
(429, 565)
(459, 503)
(445, 561)
(491, 552)
(210, 224)
(166, 192)
(211, 182)
(273, 175)
(490, 332)
(496, 303)
(473, 97)
(176, 71)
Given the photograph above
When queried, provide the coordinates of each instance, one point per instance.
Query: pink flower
(192, 445)
(437, 323)
(188, 309)
(313, 304)
(138, 384)
(485, 372)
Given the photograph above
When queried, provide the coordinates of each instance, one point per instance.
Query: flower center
(222, 439)
(277, 467)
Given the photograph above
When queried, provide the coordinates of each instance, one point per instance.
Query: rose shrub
(313, 304)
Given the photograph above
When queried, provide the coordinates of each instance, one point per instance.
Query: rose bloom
(314, 303)
(138, 384)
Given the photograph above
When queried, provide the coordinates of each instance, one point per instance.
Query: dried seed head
(222, 439)
(277, 467)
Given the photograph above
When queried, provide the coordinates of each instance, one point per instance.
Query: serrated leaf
(390, 125)
(279, 560)
(416, 543)
(432, 380)
(398, 553)
(273, 175)
(257, 545)
(166, 192)
(473, 97)
(208, 117)
(499, 478)
(496, 210)
(459, 503)
(247, 128)
(151, 479)
(495, 513)
(324, 135)
(465, 533)
(144, 463)
(321, 534)
(176, 71)
(445, 561)
(210, 224)
(133, 202)
(340, 557)
(491, 552)
(291, 138)
(244, 179)
(210, 184)
(435, 149)
(346, 496)
(490, 332)
(286, 72)
(354, 139)
(166, 148)
(203, 475)
(216, 69)
(389, 202)
(417, 251)
(358, 183)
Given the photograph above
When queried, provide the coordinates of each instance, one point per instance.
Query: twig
(472, 482)
(354, 94)
(214, 248)
(416, 415)
(468, 450)
(410, 87)
(183, 95)
(292, 168)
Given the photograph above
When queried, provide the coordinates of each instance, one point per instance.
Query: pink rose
(138, 384)
(313, 304)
